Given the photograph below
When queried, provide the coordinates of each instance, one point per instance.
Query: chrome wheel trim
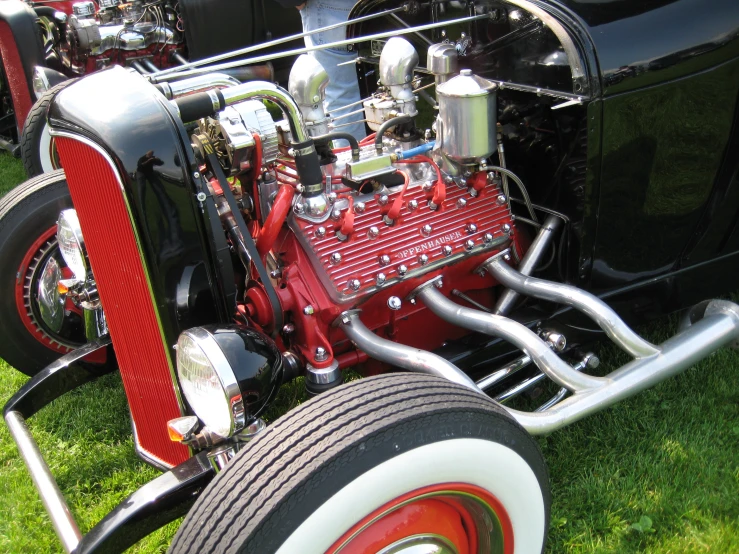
(50, 302)
(421, 544)
(30, 303)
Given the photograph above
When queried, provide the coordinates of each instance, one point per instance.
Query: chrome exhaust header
(412, 359)
(591, 305)
(714, 325)
(718, 328)
(517, 334)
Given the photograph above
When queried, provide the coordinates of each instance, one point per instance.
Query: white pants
(343, 88)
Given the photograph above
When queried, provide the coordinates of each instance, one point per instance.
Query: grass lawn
(657, 473)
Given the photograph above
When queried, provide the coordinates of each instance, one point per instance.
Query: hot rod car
(46, 43)
(578, 173)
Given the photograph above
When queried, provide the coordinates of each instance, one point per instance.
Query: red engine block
(377, 256)
(316, 284)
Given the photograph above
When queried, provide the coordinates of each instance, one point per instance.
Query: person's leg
(343, 88)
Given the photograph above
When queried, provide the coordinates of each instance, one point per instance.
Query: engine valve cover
(377, 255)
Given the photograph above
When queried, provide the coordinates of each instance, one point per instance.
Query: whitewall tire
(373, 466)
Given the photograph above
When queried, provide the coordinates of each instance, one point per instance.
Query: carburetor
(397, 63)
(401, 218)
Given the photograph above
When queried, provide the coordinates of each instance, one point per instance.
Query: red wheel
(37, 325)
(392, 464)
(454, 517)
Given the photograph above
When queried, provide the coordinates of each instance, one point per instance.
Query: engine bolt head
(487, 238)
(505, 228)
(438, 283)
(469, 244)
(316, 98)
(332, 197)
(402, 270)
(308, 310)
(359, 207)
(288, 328)
(298, 208)
(412, 205)
(427, 186)
(388, 221)
(472, 191)
(394, 303)
(341, 237)
(423, 259)
(380, 279)
(446, 250)
(321, 354)
(335, 258)
(501, 199)
(321, 232)
(449, 180)
(461, 203)
(373, 232)
(433, 206)
(384, 259)
(354, 284)
(382, 200)
(471, 228)
(426, 230)
(336, 214)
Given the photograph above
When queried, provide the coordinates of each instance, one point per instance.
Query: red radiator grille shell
(403, 242)
(117, 264)
(15, 74)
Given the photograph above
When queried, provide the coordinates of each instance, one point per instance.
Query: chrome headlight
(71, 244)
(228, 375)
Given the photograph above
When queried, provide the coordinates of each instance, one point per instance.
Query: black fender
(21, 51)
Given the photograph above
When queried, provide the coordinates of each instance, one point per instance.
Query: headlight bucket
(228, 374)
(71, 243)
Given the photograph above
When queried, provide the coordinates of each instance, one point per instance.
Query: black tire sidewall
(25, 212)
(33, 129)
(384, 446)
(295, 470)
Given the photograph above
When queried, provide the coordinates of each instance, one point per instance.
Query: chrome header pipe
(412, 359)
(274, 93)
(719, 327)
(199, 83)
(594, 307)
(530, 260)
(517, 334)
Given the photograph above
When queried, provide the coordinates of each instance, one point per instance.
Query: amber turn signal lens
(181, 428)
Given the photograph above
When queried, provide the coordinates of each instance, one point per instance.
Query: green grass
(670, 455)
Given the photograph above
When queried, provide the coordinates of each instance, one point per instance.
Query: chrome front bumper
(160, 501)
